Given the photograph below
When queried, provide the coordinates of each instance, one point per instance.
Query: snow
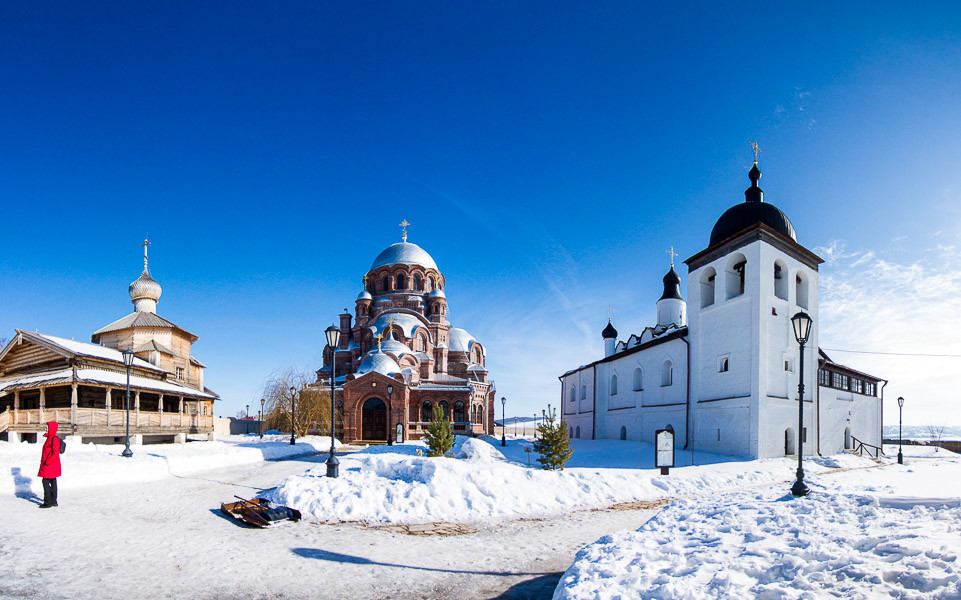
(885, 532)
(89, 465)
(391, 484)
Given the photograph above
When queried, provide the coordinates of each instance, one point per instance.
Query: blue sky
(546, 154)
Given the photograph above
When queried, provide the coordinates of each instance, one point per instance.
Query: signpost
(664, 449)
(527, 450)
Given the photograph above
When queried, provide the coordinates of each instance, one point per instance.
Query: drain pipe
(882, 415)
(594, 404)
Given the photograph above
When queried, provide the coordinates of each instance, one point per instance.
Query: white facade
(742, 395)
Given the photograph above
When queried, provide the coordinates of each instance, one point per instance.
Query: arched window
(459, 415)
(584, 392)
(577, 432)
(780, 279)
(401, 282)
(638, 380)
(623, 432)
(801, 293)
(570, 434)
(476, 356)
(707, 287)
(847, 438)
(613, 385)
(789, 442)
(573, 395)
(667, 374)
(417, 282)
(385, 283)
(426, 411)
(444, 408)
(430, 284)
(735, 275)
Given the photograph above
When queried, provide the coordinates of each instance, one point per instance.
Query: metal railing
(860, 448)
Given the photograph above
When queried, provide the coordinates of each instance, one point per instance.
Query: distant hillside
(921, 432)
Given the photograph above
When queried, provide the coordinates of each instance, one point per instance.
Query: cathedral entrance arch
(374, 417)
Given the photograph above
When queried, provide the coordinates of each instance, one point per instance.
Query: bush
(553, 445)
(440, 434)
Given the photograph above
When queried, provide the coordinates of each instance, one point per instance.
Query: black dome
(609, 331)
(752, 211)
(672, 286)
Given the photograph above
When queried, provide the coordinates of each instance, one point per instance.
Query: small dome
(377, 361)
(672, 286)
(609, 332)
(404, 253)
(145, 288)
(395, 347)
(460, 340)
(750, 212)
(364, 295)
(437, 293)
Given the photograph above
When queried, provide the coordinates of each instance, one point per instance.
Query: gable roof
(73, 348)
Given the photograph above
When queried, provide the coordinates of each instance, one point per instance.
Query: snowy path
(167, 539)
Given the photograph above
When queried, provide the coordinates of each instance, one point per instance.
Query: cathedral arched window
(780, 279)
(477, 357)
(707, 287)
(430, 284)
(418, 284)
(801, 291)
(638, 380)
(735, 275)
(444, 408)
(667, 374)
(426, 411)
(460, 415)
(385, 283)
(613, 385)
(401, 282)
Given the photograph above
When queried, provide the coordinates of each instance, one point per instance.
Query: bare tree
(311, 404)
(936, 432)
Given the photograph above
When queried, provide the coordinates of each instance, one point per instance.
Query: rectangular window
(857, 386)
(844, 382)
(723, 364)
(788, 365)
(180, 373)
(836, 380)
(824, 377)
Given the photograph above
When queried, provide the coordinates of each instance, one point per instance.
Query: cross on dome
(673, 254)
(404, 224)
(757, 150)
(145, 243)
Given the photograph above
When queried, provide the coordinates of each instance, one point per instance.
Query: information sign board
(664, 449)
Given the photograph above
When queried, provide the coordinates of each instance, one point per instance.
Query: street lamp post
(128, 362)
(390, 423)
(293, 410)
(900, 406)
(802, 331)
(333, 340)
(262, 400)
(535, 426)
(247, 420)
(504, 423)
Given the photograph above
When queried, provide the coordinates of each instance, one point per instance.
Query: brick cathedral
(399, 357)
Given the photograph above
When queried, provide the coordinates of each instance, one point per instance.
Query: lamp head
(503, 401)
(390, 389)
(802, 326)
(900, 402)
(127, 357)
(333, 336)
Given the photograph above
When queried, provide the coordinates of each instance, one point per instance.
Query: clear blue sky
(546, 153)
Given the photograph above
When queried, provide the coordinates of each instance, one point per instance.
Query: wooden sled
(257, 512)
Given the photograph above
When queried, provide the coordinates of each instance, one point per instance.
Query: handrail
(861, 447)
(4, 420)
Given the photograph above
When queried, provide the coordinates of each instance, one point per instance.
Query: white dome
(437, 293)
(364, 295)
(404, 253)
(379, 362)
(460, 340)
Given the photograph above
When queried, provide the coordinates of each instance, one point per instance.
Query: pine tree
(440, 434)
(553, 445)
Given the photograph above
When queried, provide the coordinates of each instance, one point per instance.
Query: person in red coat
(50, 465)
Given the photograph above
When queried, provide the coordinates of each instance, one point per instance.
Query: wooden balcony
(104, 422)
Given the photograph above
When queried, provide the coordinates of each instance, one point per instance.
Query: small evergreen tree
(440, 434)
(553, 445)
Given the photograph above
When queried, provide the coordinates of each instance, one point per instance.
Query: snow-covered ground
(888, 532)
(392, 485)
(95, 465)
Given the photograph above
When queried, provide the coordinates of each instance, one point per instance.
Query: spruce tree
(554, 446)
(440, 434)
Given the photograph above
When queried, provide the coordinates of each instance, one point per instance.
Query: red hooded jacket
(50, 459)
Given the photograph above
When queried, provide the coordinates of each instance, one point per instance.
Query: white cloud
(878, 305)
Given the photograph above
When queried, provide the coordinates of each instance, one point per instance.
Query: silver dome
(145, 288)
(379, 362)
(404, 253)
(364, 295)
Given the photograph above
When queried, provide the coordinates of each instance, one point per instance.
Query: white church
(724, 373)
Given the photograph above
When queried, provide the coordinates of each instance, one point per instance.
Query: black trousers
(50, 491)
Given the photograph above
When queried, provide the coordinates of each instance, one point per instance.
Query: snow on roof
(408, 323)
(102, 376)
(141, 319)
(86, 349)
(403, 253)
(460, 340)
(380, 363)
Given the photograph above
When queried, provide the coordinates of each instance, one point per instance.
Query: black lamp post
(262, 400)
(390, 423)
(535, 426)
(333, 340)
(128, 362)
(247, 420)
(900, 406)
(293, 409)
(504, 419)
(802, 331)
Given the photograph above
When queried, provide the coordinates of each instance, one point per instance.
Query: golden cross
(404, 224)
(610, 313)
(145, 244)
(673, 254)
(365, 282)
(756, 150)
(379, 338)
(390, 325)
